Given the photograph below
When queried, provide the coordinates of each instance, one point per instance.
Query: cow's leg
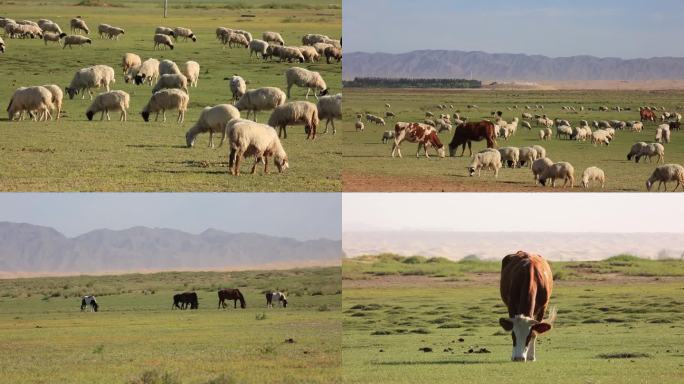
(418, 151)
(531, 351)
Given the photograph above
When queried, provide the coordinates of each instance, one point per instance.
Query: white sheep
(541, 151)
(600, 137)
(488, 158)
(49, 26)
(562, 170)
(91, 77)
(313, 38)
(148, 72)
(387, 136)
(527, 155)
(664, 174)
(663, 133)
(168, 67)
(329, 109)
(593, 174)
(76, 40)
(334, 53)
(114, 32)
(649, 151)
(165, 31)
(54, 37)
(236, 39)
(171, 82)
(30, 99)
(161, 40)
(305, 78)
(637, 126)
(191, 70)
(295, 113)
(273, 37)
(257, 47)
(321, 47)
(79, 25)
(238, 87)
(212, 120)
(289, 54)
(539, 166)
(130, 60)
(109, 101)
(261, 99)
(185, 33)
(563, 130)
(167, 99)
(545, 134)
(57, 98)
(249, 138)
(244, 33)
(510, 156)
(309, 53)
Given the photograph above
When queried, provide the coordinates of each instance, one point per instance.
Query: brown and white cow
(423, 134)
(526, 284)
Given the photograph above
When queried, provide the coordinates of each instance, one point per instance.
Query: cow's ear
(506, 324)
(541, 327)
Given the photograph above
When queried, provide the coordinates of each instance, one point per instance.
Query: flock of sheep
(171, 85)
(535, 157)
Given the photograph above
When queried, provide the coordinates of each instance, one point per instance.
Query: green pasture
(367, 158)
(74, 154)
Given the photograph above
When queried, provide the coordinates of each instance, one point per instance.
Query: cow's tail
(553, 313)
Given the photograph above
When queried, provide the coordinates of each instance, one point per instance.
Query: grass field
(136, 337)
(368, 165)
(612, 327)
(77, 155)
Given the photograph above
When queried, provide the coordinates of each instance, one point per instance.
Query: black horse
(230, 294)
(185, 299)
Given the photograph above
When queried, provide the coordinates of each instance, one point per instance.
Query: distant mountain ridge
(39, 249)
(507, 66)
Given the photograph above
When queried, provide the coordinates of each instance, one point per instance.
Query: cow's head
(523, 332)
(441, 151)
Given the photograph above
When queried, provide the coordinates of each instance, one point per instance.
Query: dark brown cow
(526, 284)
(674, 125)
(423, 134)
(467, 132)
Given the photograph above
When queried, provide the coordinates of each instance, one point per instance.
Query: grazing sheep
(168, 67)
(149, 72)
(212, 120)
(332, 53)
(305, 78)
(164, 31)
(54, 37)
(313, 38)
(171, 82)
(488, 158)
(289, 54)
(109, 101)
(509, 156)
(329, 109)
(185, 33)
(75, 40)
(130, 60)
(526, 115)
(238, 87)
(320, 48)
(541, 151)
(30, 99)
(167, 99)
(191, 70)
(563, 130)
(665, 173)
(359, 126)
(161, 40)
(527, 155)
(387, 136)
(90, 77)
(526, 125)
(273, 37)
(539, 166)
(49, 26)
(236, 39)
(57, 98)
(593, 174)
(649, 151)
(562, 170)
(249, 138)
(600, 137)
(115, 32)
(310, 54)
(545, 134)
(295, 113)
(390, 114)
(222, 34)
(79, 25)
(261, 99)
(244, 33)
(257, 47)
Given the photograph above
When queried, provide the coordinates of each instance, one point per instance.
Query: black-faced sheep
(149, 72)
(185, 33)
(486, 159)
(79, 25)
(306, 79)
(161, 40)
(76, 40)
(664, 174)
(167, 99)
(90, 77)
(273, 37)
(109, 101)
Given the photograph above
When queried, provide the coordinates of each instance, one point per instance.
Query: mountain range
(37, 249)
(495, 245)
(507, 67)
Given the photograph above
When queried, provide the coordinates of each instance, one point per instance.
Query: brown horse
(647, 114)
(230, 294)
(185, 299)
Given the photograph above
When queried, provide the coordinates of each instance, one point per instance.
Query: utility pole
(166, 6)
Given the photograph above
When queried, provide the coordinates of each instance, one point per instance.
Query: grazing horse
(647, 114)
(526, 284)
(278, 297)
(230, 294)
(89, 303)
(185, 299)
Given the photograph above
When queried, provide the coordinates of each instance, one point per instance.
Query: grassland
(617, 327)
(77, 155)
(369, 167)
(136, 337)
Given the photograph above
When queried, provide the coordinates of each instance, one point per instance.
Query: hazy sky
(299, 215)
(606, 28)
(534, 212)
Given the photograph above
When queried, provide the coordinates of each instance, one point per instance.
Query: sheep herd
(544, 170)
(171, 87)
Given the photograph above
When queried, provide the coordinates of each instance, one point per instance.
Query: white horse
(89, 303)
(278, 297)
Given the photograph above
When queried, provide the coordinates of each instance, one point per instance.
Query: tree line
(379, 82)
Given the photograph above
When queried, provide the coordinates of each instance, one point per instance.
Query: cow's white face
(524, 331)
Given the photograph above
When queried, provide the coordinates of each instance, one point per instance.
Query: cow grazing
(647, 115)
(185, 299)
(423, 134)
(526, 284)
(278, 297)
(467, 132)
(89, 303)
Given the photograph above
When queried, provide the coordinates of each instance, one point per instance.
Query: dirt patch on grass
(623, 355)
